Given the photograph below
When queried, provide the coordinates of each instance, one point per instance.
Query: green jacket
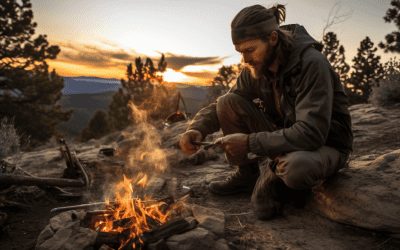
(312, 99)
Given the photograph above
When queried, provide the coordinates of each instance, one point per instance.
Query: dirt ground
(294, 229)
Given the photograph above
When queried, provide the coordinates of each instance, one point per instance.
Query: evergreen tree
(226, 74)
(27, 91)
(137, 88)
(98, 127)
(392, 43)
(334, 52)
(366, 68)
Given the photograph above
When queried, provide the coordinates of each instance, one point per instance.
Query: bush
(9, 139)
(386, 91)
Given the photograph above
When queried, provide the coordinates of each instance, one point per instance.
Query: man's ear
(273, 38)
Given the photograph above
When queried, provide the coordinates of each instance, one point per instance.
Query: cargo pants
(299, 170)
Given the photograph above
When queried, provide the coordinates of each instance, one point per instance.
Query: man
(301, 121)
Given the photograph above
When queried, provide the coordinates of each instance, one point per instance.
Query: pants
(298, 169)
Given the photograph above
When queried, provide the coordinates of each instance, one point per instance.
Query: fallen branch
(31, 181)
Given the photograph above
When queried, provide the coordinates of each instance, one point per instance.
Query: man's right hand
(186, 140)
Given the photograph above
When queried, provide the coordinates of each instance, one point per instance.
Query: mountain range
(86, 95)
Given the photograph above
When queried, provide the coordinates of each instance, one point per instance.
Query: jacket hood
(302, 41)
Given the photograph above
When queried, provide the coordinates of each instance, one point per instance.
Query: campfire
(127, 217)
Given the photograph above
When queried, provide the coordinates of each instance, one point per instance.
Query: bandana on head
(253, 22)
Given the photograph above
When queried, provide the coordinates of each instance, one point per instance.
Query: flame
(142, 181)
(142, 155)
(124, 207)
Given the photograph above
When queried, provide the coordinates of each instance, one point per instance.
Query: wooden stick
(32, 181)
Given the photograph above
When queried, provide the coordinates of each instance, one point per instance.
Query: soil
(295, 228)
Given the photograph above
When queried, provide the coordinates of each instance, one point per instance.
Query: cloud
(110, 55)
(178, 62)
(204, 74)
(96, 56)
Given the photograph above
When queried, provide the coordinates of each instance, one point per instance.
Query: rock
(70, 237)
(235, 247)
(211, 219)
(180, 209)
(368, 157)
(105, 247)
(366, 114)
(196, 239)
(61, 220)
(221, 245)
(192, 222)
(367, 195)
(46, 234)
(159, 245)
(154, 186)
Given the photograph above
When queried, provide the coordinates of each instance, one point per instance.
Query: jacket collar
(302, 41)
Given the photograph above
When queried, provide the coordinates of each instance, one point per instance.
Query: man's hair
(255, 14)
(285, 37)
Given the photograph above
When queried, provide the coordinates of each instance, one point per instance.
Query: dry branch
(31, 181)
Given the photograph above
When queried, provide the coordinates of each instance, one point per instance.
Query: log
(31, 181)
(172, 227)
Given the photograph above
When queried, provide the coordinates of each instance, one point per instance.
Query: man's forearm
(206, 120)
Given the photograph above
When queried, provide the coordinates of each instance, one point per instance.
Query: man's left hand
(236, 144)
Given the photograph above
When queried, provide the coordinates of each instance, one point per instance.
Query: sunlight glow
(171, 75)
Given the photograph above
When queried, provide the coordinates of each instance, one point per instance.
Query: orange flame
(142, 181)
(142, 155)
(128, 208)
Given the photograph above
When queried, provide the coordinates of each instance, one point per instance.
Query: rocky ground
(377, 133)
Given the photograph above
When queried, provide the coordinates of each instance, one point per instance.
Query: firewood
(172, 227)
(30, 181)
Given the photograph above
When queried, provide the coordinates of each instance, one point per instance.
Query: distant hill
(85, 106)
(89, 85)
(86, 95)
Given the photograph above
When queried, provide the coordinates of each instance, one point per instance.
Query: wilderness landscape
(91, 115)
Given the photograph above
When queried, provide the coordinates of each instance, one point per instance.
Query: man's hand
(236, 144)
(186, 141)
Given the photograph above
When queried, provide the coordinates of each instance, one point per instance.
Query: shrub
(386, 91)
(9, 139)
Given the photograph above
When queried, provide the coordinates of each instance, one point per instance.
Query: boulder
(196, 239)
(367, 195)
(210, 218)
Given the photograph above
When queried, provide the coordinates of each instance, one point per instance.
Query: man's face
(257, 56)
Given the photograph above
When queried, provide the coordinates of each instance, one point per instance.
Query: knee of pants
(299, 171)
(227, 100)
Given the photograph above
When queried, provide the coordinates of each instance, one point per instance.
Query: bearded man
(288, 104)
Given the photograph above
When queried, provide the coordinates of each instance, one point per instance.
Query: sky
(101, 37)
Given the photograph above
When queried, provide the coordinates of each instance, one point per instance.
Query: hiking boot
(267, 199)
(243, 180)
(271, 193)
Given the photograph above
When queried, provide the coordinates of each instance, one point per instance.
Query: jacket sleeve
(313, 109)
(206, 120)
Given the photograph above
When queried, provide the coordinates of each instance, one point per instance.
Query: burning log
(172, 227)
(31, 181)
(111, 238)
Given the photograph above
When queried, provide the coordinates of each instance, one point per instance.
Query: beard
(257, 69)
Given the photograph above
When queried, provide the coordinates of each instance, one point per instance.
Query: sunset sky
(100, 38)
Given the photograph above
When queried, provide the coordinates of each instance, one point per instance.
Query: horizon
(100, 39)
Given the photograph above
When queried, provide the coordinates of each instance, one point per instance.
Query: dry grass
(386, 91)
(9, 139)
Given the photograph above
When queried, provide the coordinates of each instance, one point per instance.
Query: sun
(171, 75)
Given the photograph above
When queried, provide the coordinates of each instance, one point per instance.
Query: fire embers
(127, 217)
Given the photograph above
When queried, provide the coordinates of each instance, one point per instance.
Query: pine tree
(27, 91)
(98, 127)
(225, 76)
(392, 43)
(137, 88)
(334, 52)
(366, 68)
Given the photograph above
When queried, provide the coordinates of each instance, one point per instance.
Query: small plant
(386, 91)
(9, 139)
